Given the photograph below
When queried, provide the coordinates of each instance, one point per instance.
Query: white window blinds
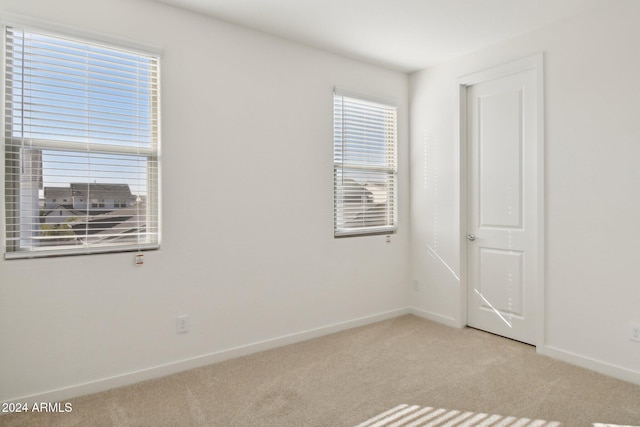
(81, 146)
(365, 166)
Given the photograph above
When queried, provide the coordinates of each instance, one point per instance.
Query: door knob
(471, 237)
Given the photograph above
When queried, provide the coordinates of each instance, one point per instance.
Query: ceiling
(405, 35)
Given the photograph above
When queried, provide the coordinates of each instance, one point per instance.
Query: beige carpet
(347, 378)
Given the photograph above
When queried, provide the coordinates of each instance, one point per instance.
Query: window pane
(81, 146)
(364, 167)
(67, 90)
(364, 199)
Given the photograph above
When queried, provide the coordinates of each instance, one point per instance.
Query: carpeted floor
(347, 378)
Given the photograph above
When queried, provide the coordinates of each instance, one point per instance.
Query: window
(364, 166)
(95, 203)
(81, 120)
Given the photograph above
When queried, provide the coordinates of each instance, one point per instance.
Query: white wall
(247, 245)
(592, 147)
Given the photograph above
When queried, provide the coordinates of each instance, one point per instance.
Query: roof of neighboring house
(57, 192)
(101, 191)
(67, 208)
(365, 216)
(123, 224)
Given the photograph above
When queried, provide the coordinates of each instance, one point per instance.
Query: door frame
(536, 63)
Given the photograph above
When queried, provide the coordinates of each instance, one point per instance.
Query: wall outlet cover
(182, 324)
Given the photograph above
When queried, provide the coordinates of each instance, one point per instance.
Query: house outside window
(81, 131)
(365, 166)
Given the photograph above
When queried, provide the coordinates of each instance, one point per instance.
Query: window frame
(11, 152)
(340, 167)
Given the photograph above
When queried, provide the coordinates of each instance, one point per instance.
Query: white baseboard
(129, 378)
(605, 368)
(445, 320)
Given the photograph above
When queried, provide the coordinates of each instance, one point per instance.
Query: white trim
(3, 210)
(365, 97)
(133, 377)
(41, 25)
(524, 64)
(541, 214)
(435, 317)
(595, 365)
(460, 135)
(536, 63)
(89, 250)
(49, 144)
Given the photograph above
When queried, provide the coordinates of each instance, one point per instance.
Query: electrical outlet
(416, 285)
(182, 324)
(635, 332)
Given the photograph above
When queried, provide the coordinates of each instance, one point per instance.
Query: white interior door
(502, 191)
